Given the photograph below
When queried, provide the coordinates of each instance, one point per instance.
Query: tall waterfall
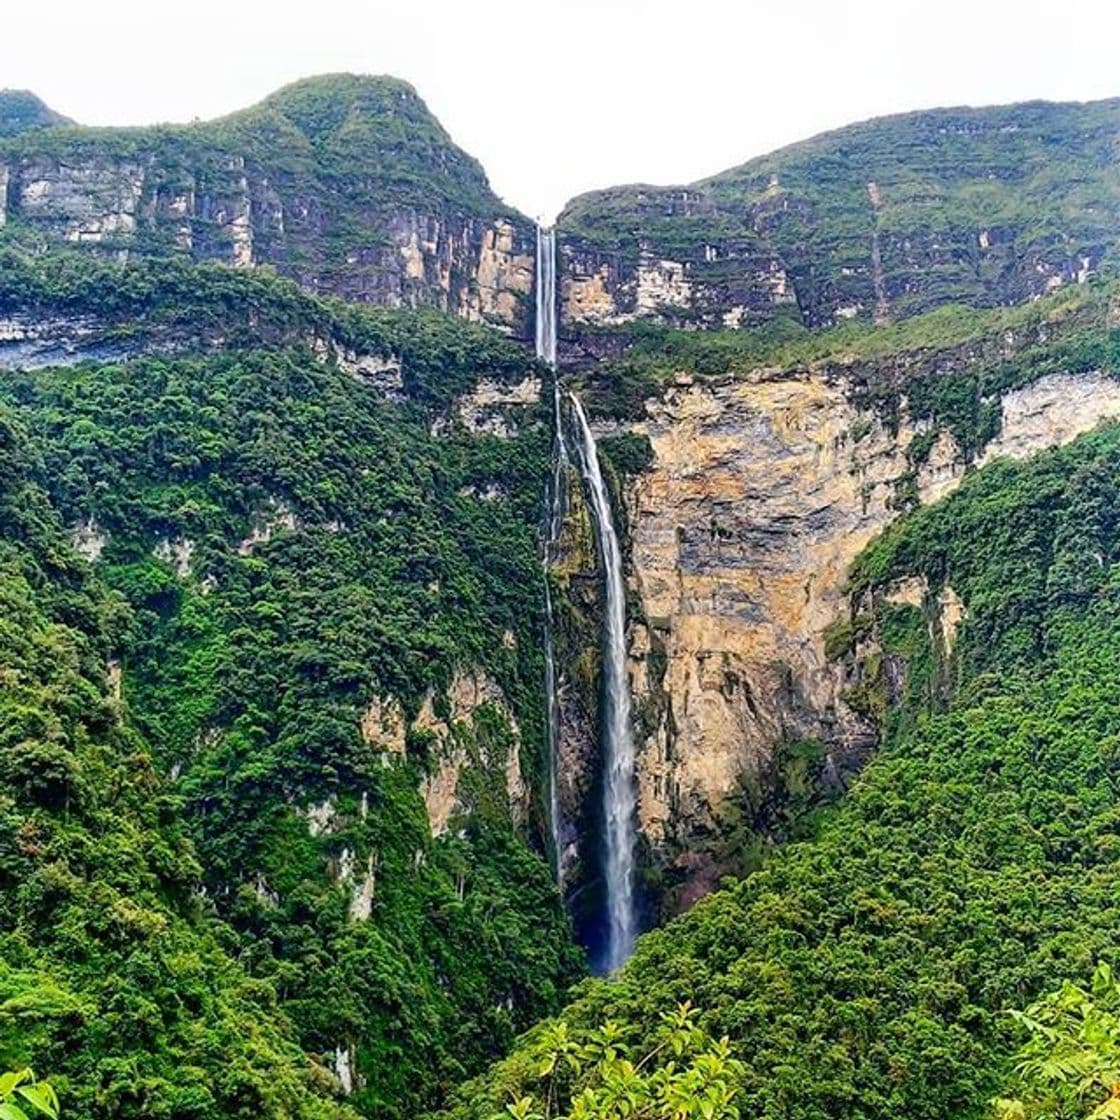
(546, 350)
(546, 296)
(617, 739)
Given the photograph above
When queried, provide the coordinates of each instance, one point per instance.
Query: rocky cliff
(346, 184)
(877, 221)
(763, 484)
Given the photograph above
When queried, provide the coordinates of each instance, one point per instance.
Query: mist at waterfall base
(608, 926)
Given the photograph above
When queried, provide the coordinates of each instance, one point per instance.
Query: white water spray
(617, 738)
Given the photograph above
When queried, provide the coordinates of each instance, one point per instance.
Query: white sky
(560, 96)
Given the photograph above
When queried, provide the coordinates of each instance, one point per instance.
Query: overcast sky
(561, 96)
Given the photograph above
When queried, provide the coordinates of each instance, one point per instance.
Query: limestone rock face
(761, 492)
(462, 749)
(496, 408)
(714, 285)
(876, 221)
(346, 184)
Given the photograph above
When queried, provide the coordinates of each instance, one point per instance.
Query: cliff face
(759, 499)
(768, 474)
(763, 486)
(877, 221)
(347, 185)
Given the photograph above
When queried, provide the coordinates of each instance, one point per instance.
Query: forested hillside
(323, 598)
(109, 972)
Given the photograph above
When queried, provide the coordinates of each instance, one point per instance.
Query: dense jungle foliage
(1067, 1067)
(109, 975)
(285, 546)
(152, 306)
(866, 970)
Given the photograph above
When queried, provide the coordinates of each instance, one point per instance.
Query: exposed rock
(1052, 411)
(909, 592)
(265, 894)
(457, 748)
(384, 725)
(504, 276)
(114, 679)
(951, 612)
(381, 373)
(322, 818)
(759, 497)
(344, 1067)
(255, 194)
(439, 790)
(89, 202)
(177, 553)
(842, 226)
(496, 408)
(89, 540)
(361, 898)
(275, 517)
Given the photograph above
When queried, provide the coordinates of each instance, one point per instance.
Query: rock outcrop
(876, 221)
(463, 747)
(346, 184)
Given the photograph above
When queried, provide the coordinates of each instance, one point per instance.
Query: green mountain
(288, 824)
(879, 220)
(21, 111)
(344, 183)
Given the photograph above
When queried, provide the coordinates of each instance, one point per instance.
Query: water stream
(546, 351)
(617, 739)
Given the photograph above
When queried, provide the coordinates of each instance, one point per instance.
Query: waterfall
(546, 351)
(546, 296)
(616, 736)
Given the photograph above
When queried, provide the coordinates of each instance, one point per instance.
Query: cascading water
(546, 351)
(617, 739)
(546, 296)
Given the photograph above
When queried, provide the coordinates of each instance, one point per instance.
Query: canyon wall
(347, 185)
(877, 221)
(761, 489)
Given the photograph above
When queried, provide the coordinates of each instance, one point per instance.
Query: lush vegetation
(21, 111)
(950, 364)
(108, 974)
(23, 1094)
(290, 548)
(1069, 1066)
(593, 1075)
(174, 305)
(865, 971)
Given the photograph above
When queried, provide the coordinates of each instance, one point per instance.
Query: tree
(21, 1096)
(1069, 1067)
(686, 1075)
